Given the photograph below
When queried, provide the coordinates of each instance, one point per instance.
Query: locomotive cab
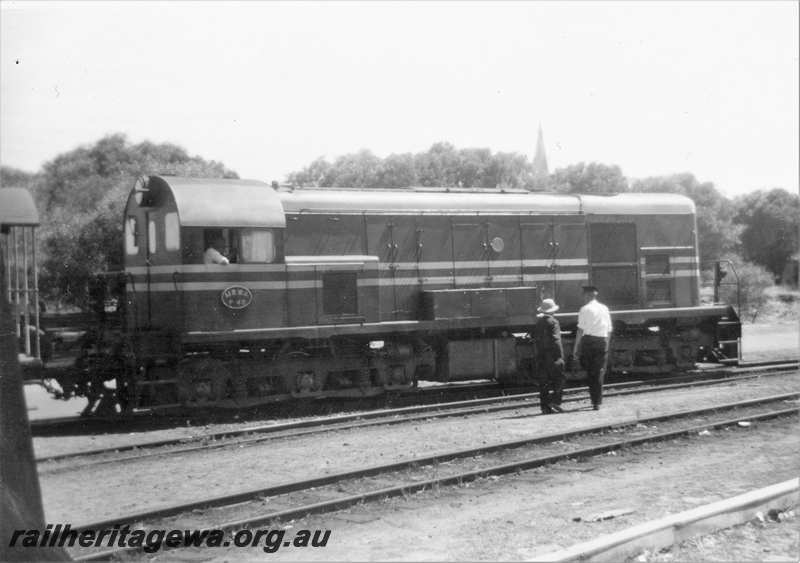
(170, 223)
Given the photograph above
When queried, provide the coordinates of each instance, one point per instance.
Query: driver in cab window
(213, 254)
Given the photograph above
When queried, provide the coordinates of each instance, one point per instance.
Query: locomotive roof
(216, 202)
(17, 208)
(335, 200)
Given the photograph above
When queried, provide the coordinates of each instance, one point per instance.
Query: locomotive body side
(355, 292)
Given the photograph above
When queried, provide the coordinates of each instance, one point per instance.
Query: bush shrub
(754, 283)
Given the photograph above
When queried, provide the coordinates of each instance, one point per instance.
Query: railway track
(142, 421)
(146, 420)
(293, 500)
(251, 435)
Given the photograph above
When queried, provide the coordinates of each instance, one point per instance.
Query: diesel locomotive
(352, 292)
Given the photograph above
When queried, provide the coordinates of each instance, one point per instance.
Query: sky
(266, 88)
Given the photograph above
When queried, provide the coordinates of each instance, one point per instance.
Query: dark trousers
(593, 359)
(551, 383)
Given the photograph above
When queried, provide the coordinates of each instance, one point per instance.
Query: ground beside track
(515, 518)
(122, 488)
(773, 341)
(757, 540)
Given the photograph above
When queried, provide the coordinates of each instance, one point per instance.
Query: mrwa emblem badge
(236, 297)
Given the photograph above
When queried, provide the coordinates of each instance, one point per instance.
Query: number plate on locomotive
(236, 297)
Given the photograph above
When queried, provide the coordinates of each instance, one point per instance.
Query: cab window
(131, 236)
(256, 245)
(172, 231)
(152, 240)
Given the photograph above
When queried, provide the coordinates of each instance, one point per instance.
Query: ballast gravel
(103, 491)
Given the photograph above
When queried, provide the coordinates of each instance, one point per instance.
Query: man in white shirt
(592, 341)
(212, 255)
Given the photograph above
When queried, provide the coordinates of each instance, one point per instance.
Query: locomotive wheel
(202, 381)
(305, 381)
(426, 360)
(92, 372)
(396, 365)
(309, 377)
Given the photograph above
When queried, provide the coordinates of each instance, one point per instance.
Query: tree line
(760, 227)
(81, 194)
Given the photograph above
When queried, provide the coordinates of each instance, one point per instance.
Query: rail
(459, 477)
(387, 417)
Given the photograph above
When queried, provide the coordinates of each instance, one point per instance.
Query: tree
(591, 178)
(81, 195)
(511, 170)
(474, 168)
(318, 173)
(749, 290)
(358, 170)
(716, 233)
(770, 222)
(396, 171)
(78, 179)
(15, 178)
(440, 166)
(77, 249)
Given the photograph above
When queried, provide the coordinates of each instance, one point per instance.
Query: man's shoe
(557, 408)
(596, 407)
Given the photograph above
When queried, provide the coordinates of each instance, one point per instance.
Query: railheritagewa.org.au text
(151, 541)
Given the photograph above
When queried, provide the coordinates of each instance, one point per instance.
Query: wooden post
(20, 494)
(26, 289)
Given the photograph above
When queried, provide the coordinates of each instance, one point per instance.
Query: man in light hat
(592, 341)
(549, 357)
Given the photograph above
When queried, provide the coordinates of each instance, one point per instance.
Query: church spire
(540, 159)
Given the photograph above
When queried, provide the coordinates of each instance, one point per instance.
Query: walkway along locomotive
(333, 292)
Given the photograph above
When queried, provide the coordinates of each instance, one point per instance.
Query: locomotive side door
(570, 265)
(394, 241)
(538, 244)
(380, 244)
(470, 254)
(503, 246)
(434, 252)
(405, 258)
(613, 263)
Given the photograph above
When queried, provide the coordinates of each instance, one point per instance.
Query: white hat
(548, 306)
